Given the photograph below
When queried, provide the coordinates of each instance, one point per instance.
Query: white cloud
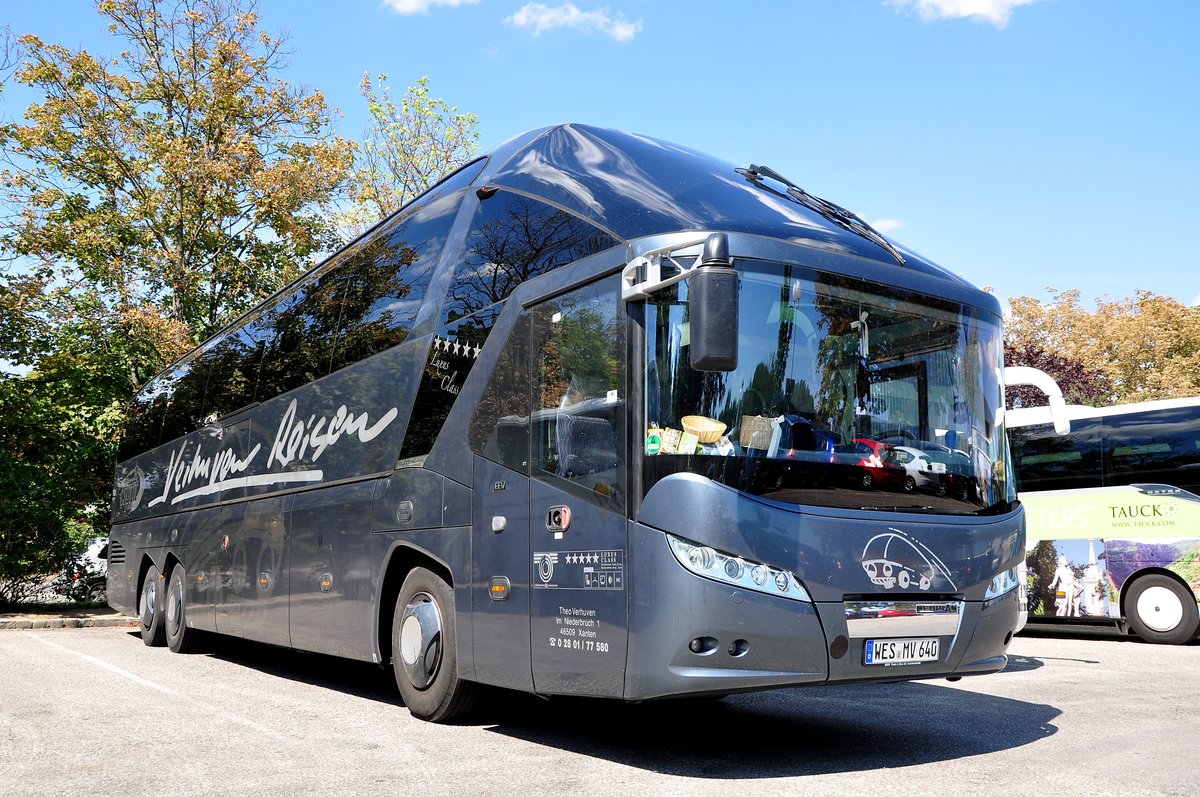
(887, 226)
(996, 12)
(423, 6)
(541, 18)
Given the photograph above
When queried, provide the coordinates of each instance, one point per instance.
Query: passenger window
(232, 373)
(452, 355)
(298, 335)
(183, 393)
(514, 238)
(143, 421)
(1046, 460)
(579, 378)
(500, 427)
(384, 281)
(1153, 447)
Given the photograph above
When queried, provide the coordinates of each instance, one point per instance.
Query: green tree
(1145, 346)
(405, 149)
(183, 178)
(55, 477)
(152, 196)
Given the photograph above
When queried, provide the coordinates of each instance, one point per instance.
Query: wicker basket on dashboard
(706, 430)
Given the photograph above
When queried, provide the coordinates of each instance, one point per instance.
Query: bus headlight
(1002, 584)
(736, 570)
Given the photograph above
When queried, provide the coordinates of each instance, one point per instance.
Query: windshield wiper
(836, 213)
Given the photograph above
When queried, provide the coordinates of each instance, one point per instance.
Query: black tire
(867, 481)
(910, 484)
(180, 638)
(150, 609)
(1161, 610)
(424, 655)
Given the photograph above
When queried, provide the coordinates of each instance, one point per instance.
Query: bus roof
(634, 186)
(1034, 416)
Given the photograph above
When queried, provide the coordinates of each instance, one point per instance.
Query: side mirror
(713, 308)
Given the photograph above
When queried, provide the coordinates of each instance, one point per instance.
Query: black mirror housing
(713, 308)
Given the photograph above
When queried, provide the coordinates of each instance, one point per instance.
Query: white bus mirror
(1023, 375)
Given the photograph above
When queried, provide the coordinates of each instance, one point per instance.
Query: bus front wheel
(1162, 611)
(424, 651)
(150, 609)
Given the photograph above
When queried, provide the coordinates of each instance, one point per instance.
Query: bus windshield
(846, 394)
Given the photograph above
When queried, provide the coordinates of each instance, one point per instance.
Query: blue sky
(1025, 144)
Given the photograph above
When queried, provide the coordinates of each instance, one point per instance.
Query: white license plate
(900, 651)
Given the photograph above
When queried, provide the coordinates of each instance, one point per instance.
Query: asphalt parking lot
(92, 710)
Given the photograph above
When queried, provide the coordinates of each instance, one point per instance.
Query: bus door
(578, 531)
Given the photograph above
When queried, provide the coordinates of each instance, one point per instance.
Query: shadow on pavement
(780, 733)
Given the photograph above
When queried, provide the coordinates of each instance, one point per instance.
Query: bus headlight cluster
(736, 571)
(1002, 584)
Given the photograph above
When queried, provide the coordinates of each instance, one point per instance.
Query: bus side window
(452, 355)
(232, 377)
(183, 392)
(499, 429)
(579, 409)
(1046, 460)
(515, 238)
(383, 283)
(298, 333)
(1158, 446)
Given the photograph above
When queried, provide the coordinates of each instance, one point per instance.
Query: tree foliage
(182, 179)
(406, 148)
(150, 197)
(1137, 348)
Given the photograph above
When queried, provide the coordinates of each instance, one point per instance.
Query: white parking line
(166, 690)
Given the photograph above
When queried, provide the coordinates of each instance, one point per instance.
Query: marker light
(736, 571)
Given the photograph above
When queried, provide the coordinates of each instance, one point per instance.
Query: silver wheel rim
(149, 599)
(421, 640)
(1159, 609)
(175, 608)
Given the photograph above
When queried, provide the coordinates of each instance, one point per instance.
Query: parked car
(920, 470)
(85, 576)
(874, 463)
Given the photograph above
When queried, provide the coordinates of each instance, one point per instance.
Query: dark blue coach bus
(595, 415)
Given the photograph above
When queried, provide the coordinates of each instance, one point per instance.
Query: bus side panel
(444, 550)
(500, 550)
(1086, 545)
(200, 539)
(332, 591)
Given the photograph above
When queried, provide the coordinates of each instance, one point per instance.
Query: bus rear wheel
(424, 650)
(150, 609)
(180, 638)
(1162, 611)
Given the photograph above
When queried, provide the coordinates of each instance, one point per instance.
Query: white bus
(1113, 515)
